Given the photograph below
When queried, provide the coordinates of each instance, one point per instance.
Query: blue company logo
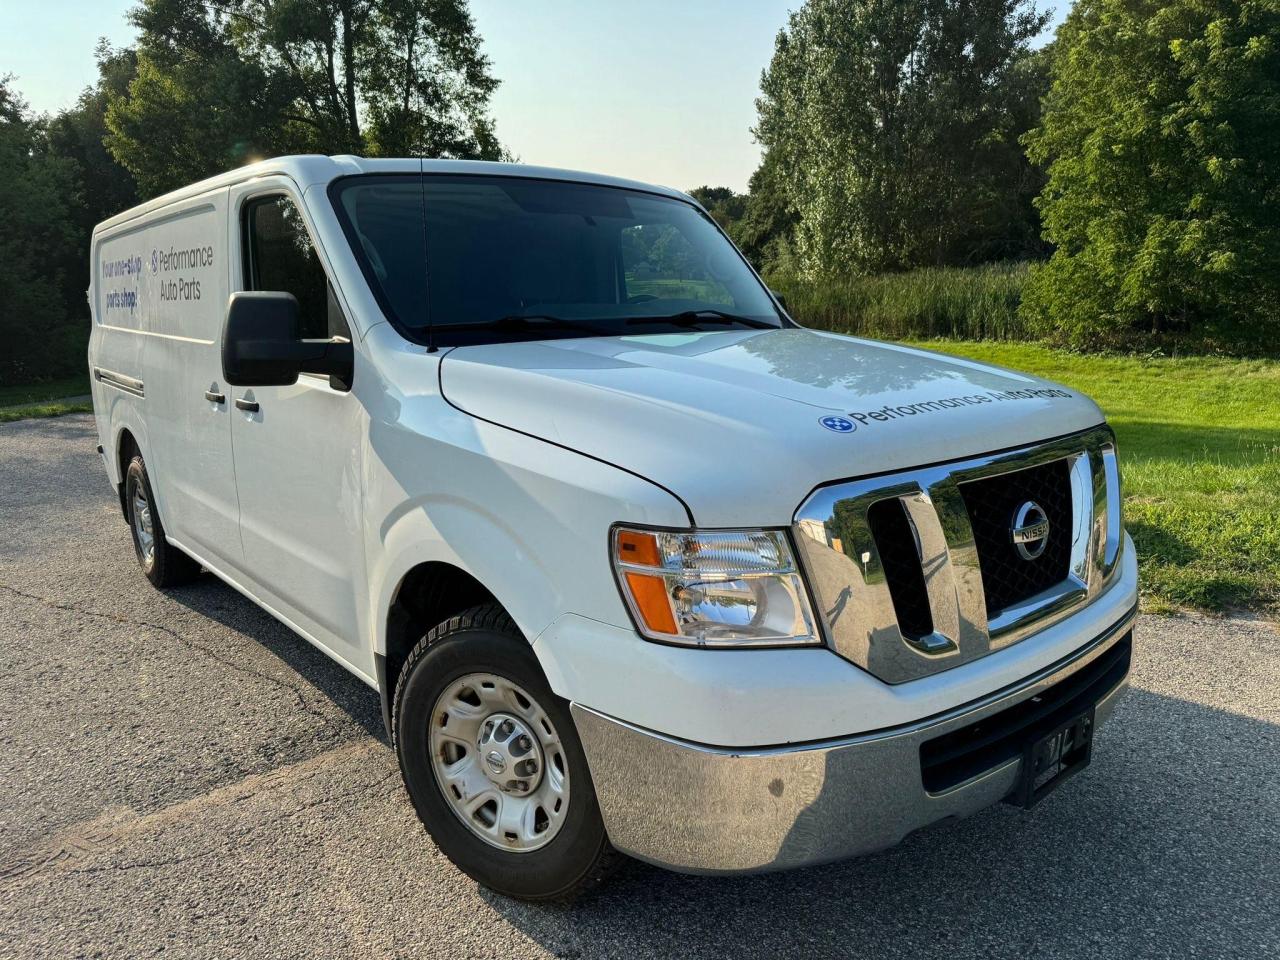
(838, 424)
(155, 261)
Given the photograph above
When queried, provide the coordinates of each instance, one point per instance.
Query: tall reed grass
(972, 303)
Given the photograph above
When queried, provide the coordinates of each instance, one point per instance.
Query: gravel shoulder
(182, 775)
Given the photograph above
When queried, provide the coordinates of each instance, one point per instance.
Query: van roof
(309, 170)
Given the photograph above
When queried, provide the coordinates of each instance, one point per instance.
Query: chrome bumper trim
(705, 809)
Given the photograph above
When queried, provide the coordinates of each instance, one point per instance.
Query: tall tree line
(891, 134)
(221, 81)
(210, 85)
(1139, 153)
(1136, 158)
(38, 195)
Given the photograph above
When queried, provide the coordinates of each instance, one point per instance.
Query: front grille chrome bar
(843, 564)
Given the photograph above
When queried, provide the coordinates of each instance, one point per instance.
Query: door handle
(249, 405)
(213, 397)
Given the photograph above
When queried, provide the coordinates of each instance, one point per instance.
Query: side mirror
(782, 301)
(261, 347)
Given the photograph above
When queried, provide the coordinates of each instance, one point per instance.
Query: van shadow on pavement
(1164, 848)
(210, 597)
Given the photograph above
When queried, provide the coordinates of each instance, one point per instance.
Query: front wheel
(493, 763)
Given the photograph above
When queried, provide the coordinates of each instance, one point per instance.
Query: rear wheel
(493, 763)
(164, 564)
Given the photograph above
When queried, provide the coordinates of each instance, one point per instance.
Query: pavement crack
(147, 864)
(306, 705)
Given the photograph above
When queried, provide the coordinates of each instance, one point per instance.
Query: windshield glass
(507, 258)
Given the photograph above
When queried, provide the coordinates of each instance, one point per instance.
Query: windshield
(503, 258)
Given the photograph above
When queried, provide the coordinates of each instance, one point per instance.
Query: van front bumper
(702, 809)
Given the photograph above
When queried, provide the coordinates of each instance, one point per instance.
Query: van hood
(743, 424)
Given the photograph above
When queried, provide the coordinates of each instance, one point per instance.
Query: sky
(660, 90)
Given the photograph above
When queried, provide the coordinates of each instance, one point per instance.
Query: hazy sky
(658, 90)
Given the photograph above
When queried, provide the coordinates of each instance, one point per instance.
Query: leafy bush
(1161, 134)
(37, 191)
(976, 303)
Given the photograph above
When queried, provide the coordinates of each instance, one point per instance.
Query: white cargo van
(635, 563)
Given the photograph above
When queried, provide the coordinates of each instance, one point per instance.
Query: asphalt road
(182, 776)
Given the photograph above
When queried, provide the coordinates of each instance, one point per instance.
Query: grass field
(45, 399)
(1199, 446)
(44, 391)
(54, 408)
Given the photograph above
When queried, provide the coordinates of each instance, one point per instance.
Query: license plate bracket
(1051, 759)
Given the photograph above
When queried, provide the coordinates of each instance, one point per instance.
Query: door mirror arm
(336, 360)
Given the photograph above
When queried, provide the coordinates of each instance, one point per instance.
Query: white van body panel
(298, 468)
(158, 305)
(750, 404)
(314, 503)
(526, 518)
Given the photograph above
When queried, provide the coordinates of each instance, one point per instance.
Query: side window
(278, 255)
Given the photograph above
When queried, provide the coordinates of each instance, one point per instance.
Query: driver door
(297, 448)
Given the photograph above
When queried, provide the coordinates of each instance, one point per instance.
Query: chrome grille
(1007, 577)
(927, 584)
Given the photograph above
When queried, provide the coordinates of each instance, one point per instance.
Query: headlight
(719, 588)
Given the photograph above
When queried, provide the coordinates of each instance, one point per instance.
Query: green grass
(44, 391)
(48, 398)
(976, 303)
(56, 408)
(1199, 442)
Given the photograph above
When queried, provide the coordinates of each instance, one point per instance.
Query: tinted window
(493, 247)
(279, 257)
(659, 263)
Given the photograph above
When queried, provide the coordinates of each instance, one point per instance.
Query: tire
(476, 647)
(164, 564)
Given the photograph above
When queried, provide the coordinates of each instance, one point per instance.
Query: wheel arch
(439, 556)
(126, 446)
(425, 595)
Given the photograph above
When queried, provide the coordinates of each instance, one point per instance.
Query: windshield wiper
(689, 318)
(525, 321)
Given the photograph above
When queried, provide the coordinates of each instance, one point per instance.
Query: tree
(725, 206)
(1161, 135)
(37, 193)
(219, 83)
(760, 221)
(102, 186)
(894, 125)
(766, 231)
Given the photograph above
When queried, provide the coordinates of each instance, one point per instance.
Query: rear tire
(164, 564)
(490, 792)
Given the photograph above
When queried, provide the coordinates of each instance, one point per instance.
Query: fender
(414, 538)
(494, 524)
